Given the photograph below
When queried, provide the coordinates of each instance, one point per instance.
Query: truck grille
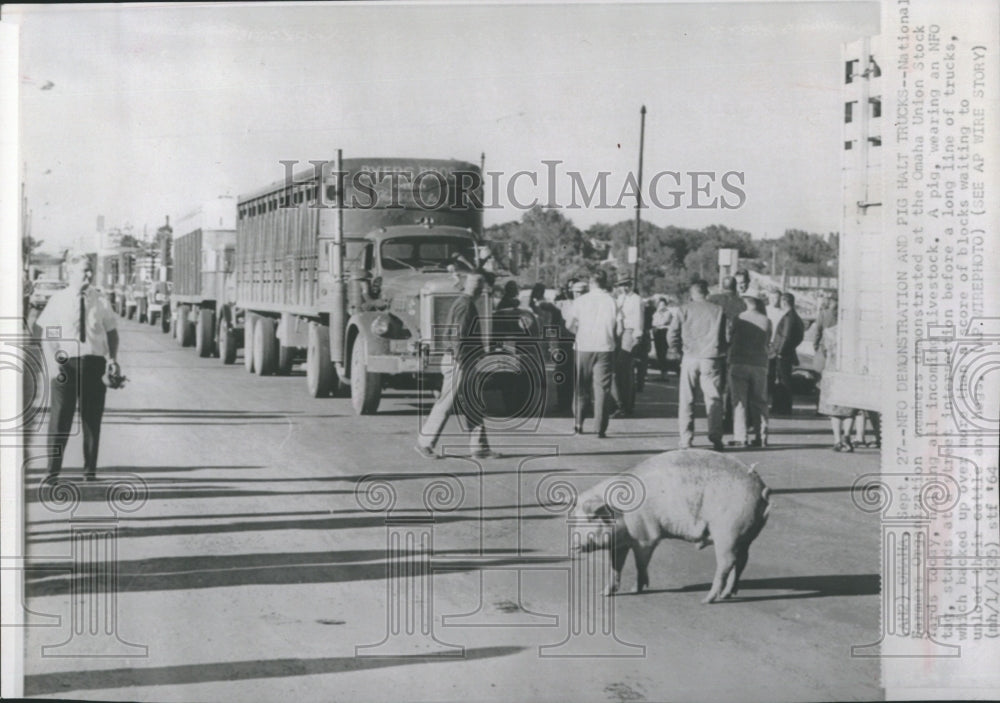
(440, 334)
(434, 326)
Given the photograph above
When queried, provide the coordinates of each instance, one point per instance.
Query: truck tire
(171, 323)
(227, 342)
(182, 312)
(152, 317)
(248, 331)
(321, 376)
(366, 387)
(286, 359)
(141, 314)
(265, 347)
(186, 328)
(204, 342)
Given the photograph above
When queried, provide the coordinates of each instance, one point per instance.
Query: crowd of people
(737, 347)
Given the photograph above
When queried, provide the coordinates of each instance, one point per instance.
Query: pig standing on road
(695, 495)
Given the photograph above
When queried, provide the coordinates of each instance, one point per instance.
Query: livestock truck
(353, 264)
(203, 257)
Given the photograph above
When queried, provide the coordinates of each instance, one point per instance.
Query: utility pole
(638, 203)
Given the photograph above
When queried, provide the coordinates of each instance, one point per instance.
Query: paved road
(252, 572)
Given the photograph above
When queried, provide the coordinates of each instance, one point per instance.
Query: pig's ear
(605, 514)
(596, 508)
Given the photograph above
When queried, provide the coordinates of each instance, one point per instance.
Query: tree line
(544, 245)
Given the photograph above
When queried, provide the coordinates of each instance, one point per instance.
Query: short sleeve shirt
(60, 322)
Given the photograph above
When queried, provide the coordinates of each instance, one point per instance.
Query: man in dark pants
(731, 302)
(631, 324)
(80, 333)
(699, 329)
(787, 337)
(464, 319)
(593, 317)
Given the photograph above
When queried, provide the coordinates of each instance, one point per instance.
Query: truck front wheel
(186, 328)
(227, 342)
(203, 342)
(248, 331)
(321, 377)
(286, 359)
(165, 324)
(182, 313)
(265, 347)
(366, 387)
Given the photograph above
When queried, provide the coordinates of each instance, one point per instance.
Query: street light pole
(638, 201)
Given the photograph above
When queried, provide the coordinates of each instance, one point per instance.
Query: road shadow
(622, 452)
(818, 489)
(178, 416)
(260, 569)
(129, 677)
(358, 519)
(803, 587)
(111, 471)
(186, 413)
(775, 448)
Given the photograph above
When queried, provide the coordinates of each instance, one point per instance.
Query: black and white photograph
(472, 351)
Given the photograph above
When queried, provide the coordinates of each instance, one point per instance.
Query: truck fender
(360, 324)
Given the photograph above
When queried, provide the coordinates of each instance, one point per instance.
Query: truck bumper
(408, 363)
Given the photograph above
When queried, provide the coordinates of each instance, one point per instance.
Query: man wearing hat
(80, 333)
(748, 359)
(630, 315)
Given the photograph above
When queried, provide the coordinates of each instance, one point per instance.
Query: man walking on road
(787, 336)
(594, 318)
(631, 322)
(748, 373)
(700, 330)
(463, 318)
(81, 334)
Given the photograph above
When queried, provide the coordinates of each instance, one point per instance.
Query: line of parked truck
(136, 288)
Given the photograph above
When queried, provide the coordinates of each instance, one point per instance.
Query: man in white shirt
(593, 317)
(80, 335)
(630, 316)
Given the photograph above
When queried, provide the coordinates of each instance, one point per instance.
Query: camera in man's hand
(113, 377)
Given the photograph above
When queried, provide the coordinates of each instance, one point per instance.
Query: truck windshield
(437, 252)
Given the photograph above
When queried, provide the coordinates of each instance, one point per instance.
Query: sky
(137, 112)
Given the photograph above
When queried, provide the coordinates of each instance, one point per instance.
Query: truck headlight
(380, 326)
